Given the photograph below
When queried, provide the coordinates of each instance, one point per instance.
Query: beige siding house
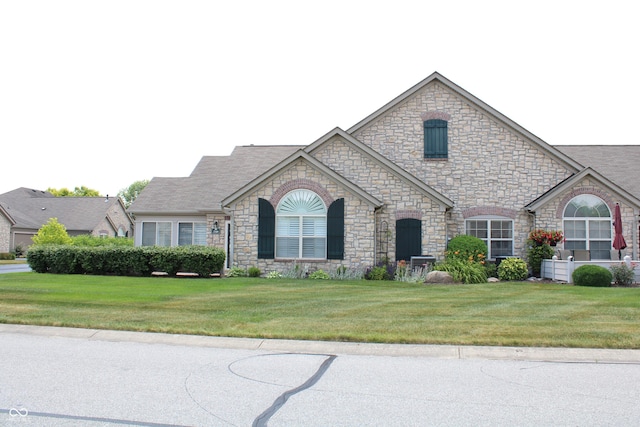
(23, 211)
(432, 163)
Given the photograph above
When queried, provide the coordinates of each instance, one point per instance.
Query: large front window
(496, 233)
(301, 226)
(587, 225)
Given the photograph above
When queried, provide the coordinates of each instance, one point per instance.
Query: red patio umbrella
(618, 239)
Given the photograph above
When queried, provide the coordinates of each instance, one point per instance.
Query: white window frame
(301, 215)
(489, 221)
(194, 226)
(573, 242)
(158, 232)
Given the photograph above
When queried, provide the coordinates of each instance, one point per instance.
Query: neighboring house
(24, 211)
(432, 163)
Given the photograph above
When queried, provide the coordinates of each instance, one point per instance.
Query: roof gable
(476, 102)
(301, 154)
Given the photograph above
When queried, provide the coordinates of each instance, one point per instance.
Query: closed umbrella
(618, 239)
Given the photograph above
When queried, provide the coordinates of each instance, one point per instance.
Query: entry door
(408, 238)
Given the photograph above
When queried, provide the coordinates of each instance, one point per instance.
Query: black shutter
(266, 229)
(408, 238)
(335, 230)
(435, 139)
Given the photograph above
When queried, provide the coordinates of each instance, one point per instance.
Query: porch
(561, 269)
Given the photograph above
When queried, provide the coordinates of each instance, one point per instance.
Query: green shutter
(266, 229)
(435, 139)
(335, 230)
(408, 238)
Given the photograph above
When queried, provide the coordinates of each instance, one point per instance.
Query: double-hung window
(156, 234)
(497, 233)
(192, 233)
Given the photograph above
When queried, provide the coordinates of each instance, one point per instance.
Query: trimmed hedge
(125, 261)
(592, 275)
(7, 256)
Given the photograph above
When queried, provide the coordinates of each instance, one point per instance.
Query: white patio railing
(561, 270)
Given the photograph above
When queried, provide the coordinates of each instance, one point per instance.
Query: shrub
(377, 273)
(535, 254)
(295, 271)
(18, 251)
(274, 275)
(7, 256)
(467, 248)
(622, 274)
(254, 272)
(236, 272)
(491, 269)
(344, 273)
(68, 259)
(52, 233)
(319, 275)
(91, 240)
(513, 269)
(463, 270)
(592, 275)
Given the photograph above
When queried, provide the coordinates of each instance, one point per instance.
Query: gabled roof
(6, 215)
(383, 162)
(437, 77)
(214, 178)
(30, 209)
(301, 154)
(573, 180)
(619, 163)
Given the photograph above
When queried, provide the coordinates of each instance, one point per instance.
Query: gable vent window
(435, 139)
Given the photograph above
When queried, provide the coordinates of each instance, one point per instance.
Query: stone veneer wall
(5, 234)
(358, 223)
(401, 198)
(489, 163)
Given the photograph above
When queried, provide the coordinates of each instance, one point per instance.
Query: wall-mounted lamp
(215, 229)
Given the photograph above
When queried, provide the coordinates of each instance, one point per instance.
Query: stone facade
(491, 167)
(5, 234)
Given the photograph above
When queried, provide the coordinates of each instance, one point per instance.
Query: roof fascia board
(9, 217)
(384, 162)
(475, 101)
(301, 154)
(568, 183)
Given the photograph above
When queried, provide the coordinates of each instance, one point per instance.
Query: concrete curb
(542, 354)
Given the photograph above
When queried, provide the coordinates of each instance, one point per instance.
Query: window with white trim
(496, 232)
(192, 233)
(587, 225)
(301, 226)
(156, 234)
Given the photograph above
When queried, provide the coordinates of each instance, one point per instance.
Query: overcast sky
(106, 93)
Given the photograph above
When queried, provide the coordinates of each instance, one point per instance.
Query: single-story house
(24, 211)
(432, 163)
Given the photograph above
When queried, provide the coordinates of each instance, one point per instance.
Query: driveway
(78, 377)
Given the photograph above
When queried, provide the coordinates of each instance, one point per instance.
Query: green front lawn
(513, 314)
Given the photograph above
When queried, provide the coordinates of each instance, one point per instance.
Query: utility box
(423, 261)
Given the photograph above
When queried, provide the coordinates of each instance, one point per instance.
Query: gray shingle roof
(214, 178)
(31, 209)
(619, 163)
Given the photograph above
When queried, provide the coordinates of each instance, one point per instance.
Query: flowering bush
(467, 248)
(550, 237)
(623, 275)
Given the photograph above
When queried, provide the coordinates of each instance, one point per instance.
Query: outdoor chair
(581, 255)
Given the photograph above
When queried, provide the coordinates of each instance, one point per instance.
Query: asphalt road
(77, 377)
(14, 268)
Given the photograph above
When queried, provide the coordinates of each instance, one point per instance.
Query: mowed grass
(512, 314)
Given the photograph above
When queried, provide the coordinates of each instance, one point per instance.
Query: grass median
(511, 314)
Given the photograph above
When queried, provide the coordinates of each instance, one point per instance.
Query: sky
(105, 93)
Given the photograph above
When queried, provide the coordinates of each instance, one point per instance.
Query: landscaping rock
(493, 280)
(438, 277)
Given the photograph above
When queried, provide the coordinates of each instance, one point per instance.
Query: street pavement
(14, 268)
(85, 377)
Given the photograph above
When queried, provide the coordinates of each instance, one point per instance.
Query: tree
(129, 194)
(77, 192)
(52, 232)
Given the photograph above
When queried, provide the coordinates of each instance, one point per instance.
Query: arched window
(587, 225)
(301, 226)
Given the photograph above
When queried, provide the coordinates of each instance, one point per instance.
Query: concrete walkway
(543, 354)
